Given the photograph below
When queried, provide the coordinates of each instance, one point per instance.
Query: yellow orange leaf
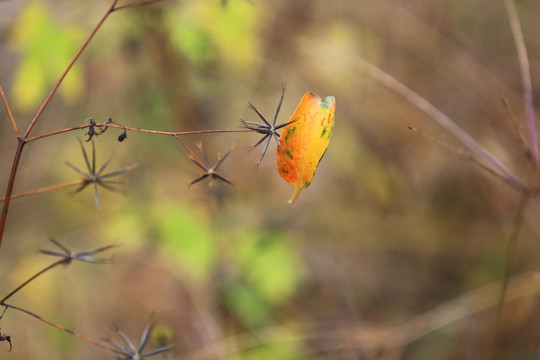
(304, 141)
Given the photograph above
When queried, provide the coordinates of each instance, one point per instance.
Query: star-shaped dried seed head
(268, 130)
(135, 353)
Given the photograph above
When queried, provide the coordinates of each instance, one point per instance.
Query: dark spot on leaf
(288, 153)
(285, 171)
(290, 132)
(324, 130)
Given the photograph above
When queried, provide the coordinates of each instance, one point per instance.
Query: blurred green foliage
(185, 237)
(204, 32)
(265, 273)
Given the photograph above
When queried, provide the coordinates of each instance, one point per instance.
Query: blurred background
(367, 263)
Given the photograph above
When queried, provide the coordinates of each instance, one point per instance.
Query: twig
(9, 188)
(187, 148)
(45, 189)
(70, 65)
(517, 126)
(24, 138)
(525, 77)
(88, 340)
(6, 104)
(456, 149)
(157, 132)
(33, 277)
(510, 252)
(395, 85)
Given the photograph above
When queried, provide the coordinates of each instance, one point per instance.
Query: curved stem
(422, 104)
(88, 340)
(30, 279)
(23, 139)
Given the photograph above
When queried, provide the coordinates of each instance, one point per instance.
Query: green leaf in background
(46, 48)
(268, 274)
(186, 238)
(271, 266)
(276, 343)
(247, 304)
(192, 41)
(201, 31)
(273, 349)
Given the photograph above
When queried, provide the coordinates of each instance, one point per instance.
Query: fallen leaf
(304, 141)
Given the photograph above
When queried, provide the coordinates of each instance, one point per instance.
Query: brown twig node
(101, 128)
(91, 132)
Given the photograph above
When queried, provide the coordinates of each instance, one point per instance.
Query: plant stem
(23, 139)
(422, 104)
(525, 77)
(30, 279)
(511, 248)
(46, 189)
(9, 189)
(75, 58)
(157, 132)
(6, 104)
(88, 340)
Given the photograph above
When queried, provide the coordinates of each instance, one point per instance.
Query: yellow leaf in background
(305, 140)
(46, 47)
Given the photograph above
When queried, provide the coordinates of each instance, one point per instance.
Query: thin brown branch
(30, 279)
(463, 153)
(525, 77)
(157, 132)
(9, 188)
(46, 189)
(88, 340)
(509, 256)
(22, 139)
(6, 104)
(422, 104)
(187, 148)
(517, 125)
(70, 65)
